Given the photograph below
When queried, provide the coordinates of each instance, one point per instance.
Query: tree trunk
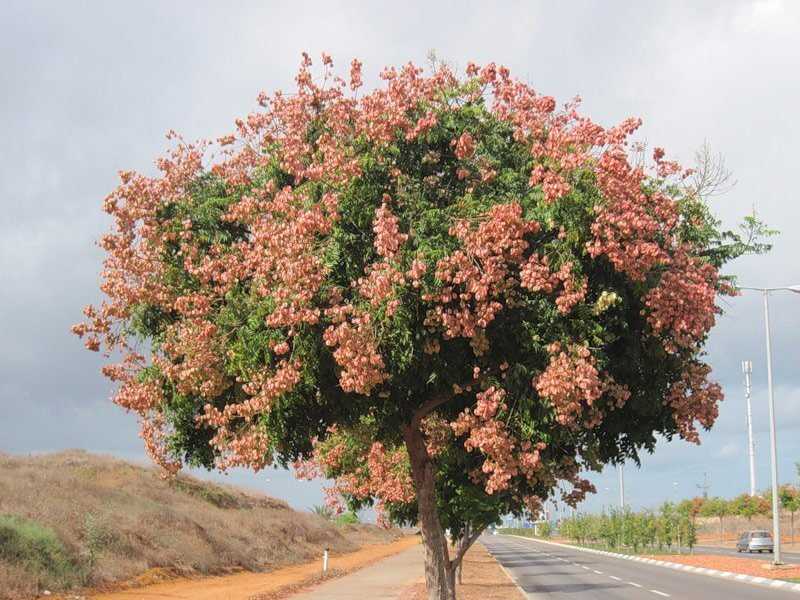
(439, 572)
(464, 541)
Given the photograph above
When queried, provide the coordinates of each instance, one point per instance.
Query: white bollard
(325, 561)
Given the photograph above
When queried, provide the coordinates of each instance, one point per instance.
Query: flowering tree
(447, 295)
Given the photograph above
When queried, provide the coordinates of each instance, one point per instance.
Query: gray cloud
(90, 88)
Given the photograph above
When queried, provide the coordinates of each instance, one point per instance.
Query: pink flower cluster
(356, 353)
(683, 304)
(477, 278)
(464, 146)
(571, 382)
(388, 238)
(694, 398)
(536, 276)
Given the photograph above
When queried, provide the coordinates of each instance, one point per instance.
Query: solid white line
(660, 593)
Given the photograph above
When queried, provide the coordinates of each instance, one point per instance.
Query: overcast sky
(89, 88)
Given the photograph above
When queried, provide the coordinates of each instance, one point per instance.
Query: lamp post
(776, 519)
(747, 369)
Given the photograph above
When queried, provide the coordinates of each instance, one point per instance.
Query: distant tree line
(671, 525)
(748, 506)
(674, 523)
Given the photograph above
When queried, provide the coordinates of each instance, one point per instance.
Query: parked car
(751, 541)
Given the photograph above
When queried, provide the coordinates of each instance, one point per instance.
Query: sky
(89, 88)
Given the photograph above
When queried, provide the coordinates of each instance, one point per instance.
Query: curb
(777, 584)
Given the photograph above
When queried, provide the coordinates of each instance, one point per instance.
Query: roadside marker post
(325, 561)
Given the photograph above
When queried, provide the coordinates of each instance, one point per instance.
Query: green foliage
(38, 550)
(347, 518)
(543, 530)
(748, 506)
(322, 511)
(716, 507)
(627, 531)
(789, 497)
(97, 537)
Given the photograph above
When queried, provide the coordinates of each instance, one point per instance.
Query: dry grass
(117, 521)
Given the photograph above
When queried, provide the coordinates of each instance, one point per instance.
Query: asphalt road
(545, 571)
(787, 557)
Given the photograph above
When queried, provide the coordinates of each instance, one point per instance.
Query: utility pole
(747, 369)
(773, 445)
(776, 514)
(705, 486)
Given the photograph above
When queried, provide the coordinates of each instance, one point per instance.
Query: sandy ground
(734, 564)
(484, 579)
(245, 586)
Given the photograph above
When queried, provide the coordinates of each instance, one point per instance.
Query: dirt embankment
(73, 520)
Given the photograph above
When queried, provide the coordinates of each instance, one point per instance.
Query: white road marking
(660, 593)
(587, 568)
(598, 572)
(615, 578)
(634, 584)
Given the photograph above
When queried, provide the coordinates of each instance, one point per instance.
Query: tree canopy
(450, 295)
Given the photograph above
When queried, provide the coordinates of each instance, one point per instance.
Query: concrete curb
(777, 584)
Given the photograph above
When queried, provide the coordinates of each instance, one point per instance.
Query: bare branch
(710, 176)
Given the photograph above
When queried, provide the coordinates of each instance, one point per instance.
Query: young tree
(747, 506)
(446, 294)
(719, 508)
(687, 533)
(790, 500)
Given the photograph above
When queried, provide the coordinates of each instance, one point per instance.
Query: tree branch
(427, 408)
(466, 545)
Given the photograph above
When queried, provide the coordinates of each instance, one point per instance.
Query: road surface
(546, 571)
(787, 557)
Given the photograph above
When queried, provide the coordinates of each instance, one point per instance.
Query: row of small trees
(748, 506)
(672, 525)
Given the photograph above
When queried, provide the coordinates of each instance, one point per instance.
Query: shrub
(37, 549)
(348, 518)
(543, 530)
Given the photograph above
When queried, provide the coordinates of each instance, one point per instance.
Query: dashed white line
(634, 584)
(660, 593)
(615, 578)
(598, 572)
(587, 568)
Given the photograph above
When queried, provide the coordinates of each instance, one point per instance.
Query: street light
(747, 369)
(776, 520)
